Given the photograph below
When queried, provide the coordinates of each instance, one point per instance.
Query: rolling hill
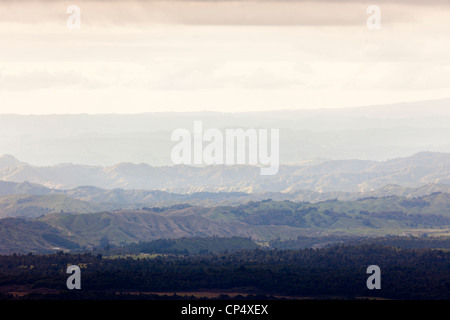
(33, 206)
(23, 236)
(262, 220)
(146, 225)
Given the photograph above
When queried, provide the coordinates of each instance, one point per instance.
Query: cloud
(218, 12)
(234, 55)
(38, 79)
(31, 78)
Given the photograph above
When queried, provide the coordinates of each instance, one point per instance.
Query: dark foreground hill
(337, 272)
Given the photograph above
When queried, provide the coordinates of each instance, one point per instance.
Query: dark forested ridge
(337, 272)
(404, 242)
(190, 245)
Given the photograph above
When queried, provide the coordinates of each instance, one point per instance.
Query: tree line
(334, 272)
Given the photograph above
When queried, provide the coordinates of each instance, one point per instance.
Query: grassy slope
(32, 206)
(23, 236)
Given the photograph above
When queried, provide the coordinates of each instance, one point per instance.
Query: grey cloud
(39, 79)
(213, 12)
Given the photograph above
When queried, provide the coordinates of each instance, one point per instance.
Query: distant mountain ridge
(320, 176)
(94, 198)
(8, 160)
(377, 132)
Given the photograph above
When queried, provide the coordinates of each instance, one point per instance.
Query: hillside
(85, 223)
(33, 206)
(144, 225)
(263, 220)
(10, 188)
(371, 215)
(21, 236)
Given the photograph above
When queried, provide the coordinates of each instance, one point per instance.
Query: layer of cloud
(132, 56)
(220, 12)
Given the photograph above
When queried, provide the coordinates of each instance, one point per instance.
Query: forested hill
(338, 272)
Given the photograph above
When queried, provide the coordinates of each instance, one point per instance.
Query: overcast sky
(146, 56)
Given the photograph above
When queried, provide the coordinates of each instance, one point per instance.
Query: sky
(230, 56)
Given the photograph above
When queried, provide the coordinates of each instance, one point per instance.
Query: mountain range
(76, 207)
(320, 176)
(30, 200)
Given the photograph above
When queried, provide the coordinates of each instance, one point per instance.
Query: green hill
(372, 215)
(23, 236)
(33, 206)
(146, 225)
(263, 220)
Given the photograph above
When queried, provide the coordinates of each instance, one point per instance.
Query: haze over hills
(69, 181)
(366, 133)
